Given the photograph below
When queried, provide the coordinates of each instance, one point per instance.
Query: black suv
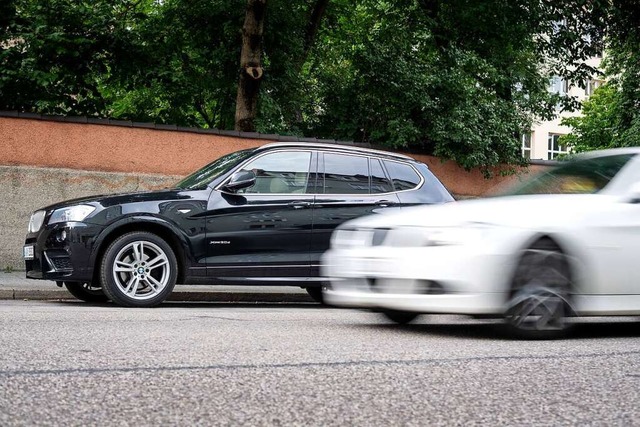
(257, 216)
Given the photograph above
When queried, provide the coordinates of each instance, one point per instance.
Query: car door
(349, 186)
(610, 236)
(264, 231)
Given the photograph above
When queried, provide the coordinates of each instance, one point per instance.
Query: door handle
(299, 205)
(385, 203)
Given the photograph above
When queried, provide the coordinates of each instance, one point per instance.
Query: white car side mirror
(633, 195)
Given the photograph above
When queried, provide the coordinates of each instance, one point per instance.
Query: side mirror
(633, 194)
(239, 180)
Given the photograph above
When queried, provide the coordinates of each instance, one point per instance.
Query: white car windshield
(577, 176)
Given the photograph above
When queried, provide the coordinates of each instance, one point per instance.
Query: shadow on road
(459, 327)
(196, 304)
(494, 329)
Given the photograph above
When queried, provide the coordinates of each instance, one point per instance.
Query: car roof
(336, 147)
(608, 152)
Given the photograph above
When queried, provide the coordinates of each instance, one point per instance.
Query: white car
(563, 244)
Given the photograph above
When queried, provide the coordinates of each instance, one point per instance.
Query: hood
(514, 211)
(123, 198)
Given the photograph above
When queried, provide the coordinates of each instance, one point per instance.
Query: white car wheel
(399, 317)
(540, 299)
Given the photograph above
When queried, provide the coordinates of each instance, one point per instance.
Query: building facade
(543, 141)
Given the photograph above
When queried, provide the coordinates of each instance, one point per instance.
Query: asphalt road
(69, 363)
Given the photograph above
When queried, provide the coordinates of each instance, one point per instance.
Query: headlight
(348, 238)
(459, 235)
(72, 213)
(449, 236)
(36, 220)
(435, 236)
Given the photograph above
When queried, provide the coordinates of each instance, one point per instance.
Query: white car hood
(514, 211)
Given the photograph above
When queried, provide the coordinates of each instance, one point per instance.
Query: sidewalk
(14, 286)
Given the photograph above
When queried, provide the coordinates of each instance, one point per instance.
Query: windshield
(202, 177)
(574, 176)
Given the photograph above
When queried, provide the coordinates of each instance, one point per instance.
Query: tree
(611, 117)
(459, 79)
(251, 70)
(55, 55)
(596, 127)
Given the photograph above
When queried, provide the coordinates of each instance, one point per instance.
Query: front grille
(61, 264)
(405, 286)
(430, 287)
(58, 260)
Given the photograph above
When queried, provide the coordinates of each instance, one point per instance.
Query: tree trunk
(251, 71)
(315, 18)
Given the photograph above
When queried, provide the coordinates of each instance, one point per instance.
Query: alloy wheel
(141, 270)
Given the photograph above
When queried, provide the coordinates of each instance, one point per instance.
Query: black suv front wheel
(139, 269)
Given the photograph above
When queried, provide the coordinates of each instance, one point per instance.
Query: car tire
(316, 294)
(87, 292)
(399, 317)
(138, 269)
(540, 302)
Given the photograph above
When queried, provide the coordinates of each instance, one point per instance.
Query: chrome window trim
(323, 150)
(348, 149)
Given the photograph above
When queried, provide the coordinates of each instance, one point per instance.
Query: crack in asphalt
(306, 365)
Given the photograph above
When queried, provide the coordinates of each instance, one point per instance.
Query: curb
(176, 296)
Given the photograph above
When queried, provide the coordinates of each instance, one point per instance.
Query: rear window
(403, 176)
(344, 174)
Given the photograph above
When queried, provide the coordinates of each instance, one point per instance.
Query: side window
(282, 172)
(403, 176)
(379, 181)
(345, 174)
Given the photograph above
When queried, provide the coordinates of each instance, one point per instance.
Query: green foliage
(53, 53)
(604, 122)
(184, 69)
(460, 79)
(611, 116)
(596, 127)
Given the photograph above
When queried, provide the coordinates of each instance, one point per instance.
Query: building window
(554, 147)
(558, 85)
(526, 146)
(592, 85)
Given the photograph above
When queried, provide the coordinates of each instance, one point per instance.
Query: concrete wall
(25, 189)
(44, 160)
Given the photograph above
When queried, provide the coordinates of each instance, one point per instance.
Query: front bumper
(62, 251)
(440, 304)
(445, 279)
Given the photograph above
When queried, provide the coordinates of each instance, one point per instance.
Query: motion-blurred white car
(565, 243)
